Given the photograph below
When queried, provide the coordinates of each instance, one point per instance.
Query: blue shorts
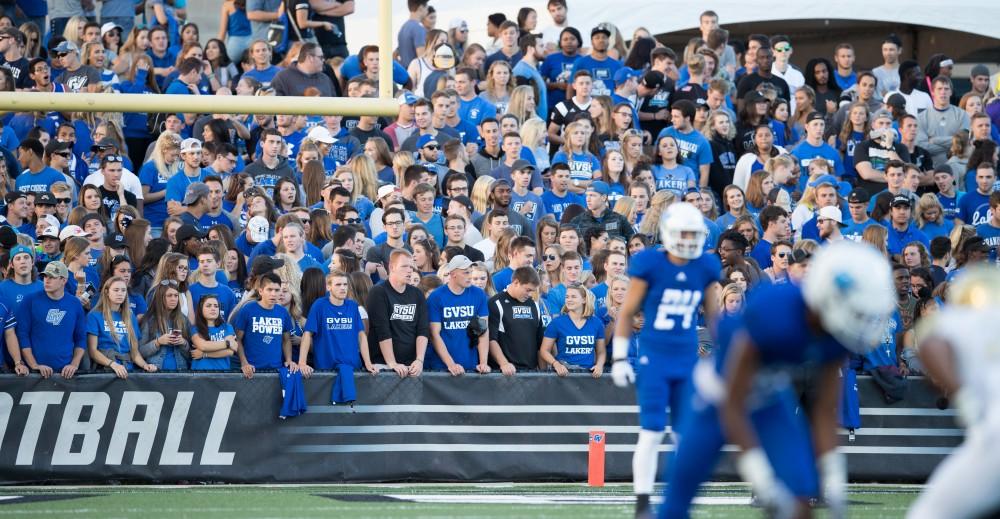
(659, 386)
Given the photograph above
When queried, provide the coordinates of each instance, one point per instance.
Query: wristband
(619, 347)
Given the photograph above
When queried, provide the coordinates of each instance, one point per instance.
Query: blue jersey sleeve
(312, 320)
(704, 153)
(552, 331)
(482, 303)
(597, 326)
(95, 324)
(80, 329)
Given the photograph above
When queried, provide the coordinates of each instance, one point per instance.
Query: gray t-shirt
(260, 28)
(411, 35)
(888, 80)
(81, 78)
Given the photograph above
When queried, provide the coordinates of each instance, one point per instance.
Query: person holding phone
(165, 329)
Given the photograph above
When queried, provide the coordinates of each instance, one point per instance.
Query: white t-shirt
(916, 101)
(129, 180)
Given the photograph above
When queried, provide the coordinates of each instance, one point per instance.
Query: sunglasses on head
(113, 158)
(168, 283)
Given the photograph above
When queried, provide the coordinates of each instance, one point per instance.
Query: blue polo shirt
(899, 239)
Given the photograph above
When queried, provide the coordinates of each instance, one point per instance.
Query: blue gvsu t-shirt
(263, 333)
(453, 312)
(98, 327)
(670, 305)
(215, 333)
(334, 332)
(576, 346)
(581, 165)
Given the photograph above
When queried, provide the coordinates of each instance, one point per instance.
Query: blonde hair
(480, 266)
(625, 206)
(532, 132)
(928, 201)
(171, 139)
(519, 101)
(365, 176)
(400, 161)
(876, 236)
(72, 30)
(650, 225)
(728, 290)
(588, 300)
(709, 130)
(480, 194)
(491, 86)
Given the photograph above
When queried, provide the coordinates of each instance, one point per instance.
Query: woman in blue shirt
(163, 163)
(576, 336)
(111, 331)
(583, 165)
(214, 339)
(667, 173)
(734, 203)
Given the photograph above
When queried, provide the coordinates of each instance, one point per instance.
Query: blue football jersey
(672, 299)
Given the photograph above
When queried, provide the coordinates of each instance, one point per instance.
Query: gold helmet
(978, 287)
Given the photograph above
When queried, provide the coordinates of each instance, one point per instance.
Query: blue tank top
(238, 24)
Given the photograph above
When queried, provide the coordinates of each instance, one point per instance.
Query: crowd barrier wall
(219, 427)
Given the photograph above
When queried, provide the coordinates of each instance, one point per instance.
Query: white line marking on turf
(521, 499)
(8, 498)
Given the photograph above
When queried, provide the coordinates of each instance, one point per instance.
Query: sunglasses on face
(431, 147)
(550, 257)
(61, 55)
(63, 154)
(353, 221)
(64, 200)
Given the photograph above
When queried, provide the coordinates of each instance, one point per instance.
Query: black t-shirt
(720, 173)
(517, 328)
(401, 317)
(19, 69)
(363, 135)
(473, 253)
(111, 203)
(659, 100)
(751, 81)
(564, 109)
(877, 155)
(692, 92)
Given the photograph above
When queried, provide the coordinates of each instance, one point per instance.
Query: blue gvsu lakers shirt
(263, 332)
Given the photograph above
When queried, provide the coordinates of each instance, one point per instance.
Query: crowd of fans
(489, 226)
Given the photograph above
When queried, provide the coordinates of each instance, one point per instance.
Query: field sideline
(487, 500)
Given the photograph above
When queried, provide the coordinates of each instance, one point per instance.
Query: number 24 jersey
(672, 298)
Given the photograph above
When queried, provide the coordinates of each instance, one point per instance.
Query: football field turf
(491, 500)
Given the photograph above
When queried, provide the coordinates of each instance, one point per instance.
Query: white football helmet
(683, 230)
(978, 287)
(849, 286)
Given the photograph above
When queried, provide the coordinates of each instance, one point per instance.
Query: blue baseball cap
(21, 249)
(626, 73)
(825, 179)
(424, 140)
(600, 187)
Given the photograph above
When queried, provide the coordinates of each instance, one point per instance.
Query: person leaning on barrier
(52, 326)
(111, 331)
(398, 317)
(515, 324)
(457, 312)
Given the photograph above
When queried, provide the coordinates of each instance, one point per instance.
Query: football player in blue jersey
(668, 286)
(745, 393)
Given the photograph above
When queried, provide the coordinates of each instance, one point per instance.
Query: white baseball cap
(257, 229)
(459, 262)
(321, 134)
(190, 144)
(72, 230)
(830, 213)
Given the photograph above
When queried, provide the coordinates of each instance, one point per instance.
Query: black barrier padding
(532, 427)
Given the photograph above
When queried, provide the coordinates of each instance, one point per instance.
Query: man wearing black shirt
(454, 231)
(583, 85)
(765, 59)
(378, 256)
(399, 322)
(655, 92)
(11, 42)
(332, 40)
(516, 324)
(873, 154)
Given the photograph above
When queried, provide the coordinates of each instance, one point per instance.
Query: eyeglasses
(397, 222)
(63, 200)
(354, 221)
(454, 228)
(783, 49)
(182, 267)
